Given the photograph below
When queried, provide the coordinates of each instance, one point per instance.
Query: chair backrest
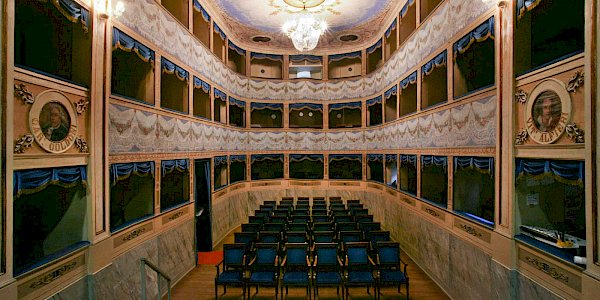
(378, 236)
(360, 212)
(244, 237)
(337, 206)
(266, 254)
(297, 227)
(286, 200)
(319, 199)
(320, 219)
(322, 226)
(355, 206)
(339, 213)
(281, 213)
(250, 227)
(269, 237)
(262, 213)
(345, 226)
(335, 199)
(270, 203)
(352, 201)
(363, 218)
(296, 253)
(256, 220)
(319, 206)
(350, 236)
(266, 207)
(296, 237)
(278, 219)
(389, 253)
(279, 227)
(300, 219)
(357, 253)
(323, 236)
(233, 255)
(343, 218)
(303, 199)
(327, 254)
(319, 212)
(369, 226)
(302, 207)
(300, 212)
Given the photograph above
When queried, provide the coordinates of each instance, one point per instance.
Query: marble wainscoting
(229, 212)
(172, 251)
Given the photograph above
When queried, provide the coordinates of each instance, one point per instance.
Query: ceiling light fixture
(304, 30)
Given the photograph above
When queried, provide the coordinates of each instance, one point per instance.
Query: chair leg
(216, 291)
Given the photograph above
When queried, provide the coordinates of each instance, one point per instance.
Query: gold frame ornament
(48, 104)
(551, 93)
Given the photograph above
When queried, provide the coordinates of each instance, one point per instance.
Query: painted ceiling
(246, 19)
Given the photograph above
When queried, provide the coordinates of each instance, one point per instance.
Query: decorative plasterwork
(22, 92)
(81, 144)
(521, 96)
(575, 134)
(23, 143)
(521, 137)
(575, 82)
(468, 125)
(81, 106)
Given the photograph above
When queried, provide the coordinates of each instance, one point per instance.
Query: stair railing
(159, 273)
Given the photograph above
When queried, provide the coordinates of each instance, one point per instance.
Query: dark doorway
(203, 205)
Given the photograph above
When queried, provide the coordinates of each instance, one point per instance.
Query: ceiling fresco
(249, 18)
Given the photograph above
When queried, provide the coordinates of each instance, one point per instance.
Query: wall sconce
(105, 8)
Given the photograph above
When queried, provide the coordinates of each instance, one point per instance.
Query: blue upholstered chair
(367, 227)
(363, 218)
(392, 269)
(251, 227)
(376, 236)
(264, 267)
(295, 267)
(297, 227)
(297, 237)
(272, 237)
(345, 226)
(327, 267)
(232, 272)
(359, 267)
(245, 238)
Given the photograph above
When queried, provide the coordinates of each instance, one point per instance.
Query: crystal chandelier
(305, 30)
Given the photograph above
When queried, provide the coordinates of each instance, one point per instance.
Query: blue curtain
(72, 11)
(390, 92)
(388, 32)
(275, 57)
(408, 159)
(524, 6)
(306, 57)
(237, 49)
(411, 79)
(567, 171)
(236, 102)
(311, 106)
(350, 105)
(335, 157)
(375, 157)
(124, 42)
(404, 9)
(271, 106)
(309, 157)
(237, 158)
(169, 166)
(201, 84)
(264, 157)
(391, 158)
(430, 160)
(481, 164)
(479, 34)
(338, 57)
(171, 68)
(33, 181)
(374, 47)
(220, 160)
(201, 9)
(374, 101)
(219, 31)
(220, 95)
(120, 172)
(438, 61)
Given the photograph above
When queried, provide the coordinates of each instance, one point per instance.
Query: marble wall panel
(176, 251)
(230, 212)
(469, 271)
(78, 290)
(529, 289)
(502, 281)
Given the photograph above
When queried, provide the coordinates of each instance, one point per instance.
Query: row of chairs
(335, 227)
(326, 267)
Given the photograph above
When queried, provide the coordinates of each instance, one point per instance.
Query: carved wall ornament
(575, 134)
(548, 269)
(25, 95)
(548, 111)
(82, 106)
(24, 143)
(53, 121)
(521, 137)
(521, 96)
(81, 144)
(575, 82)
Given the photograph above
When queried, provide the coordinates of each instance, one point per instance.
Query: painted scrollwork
(22, 91)
(575, 82)
(521, 137)
(521, 96)
(81, 106)
(575, 134)
(81, 144)
(24, 143)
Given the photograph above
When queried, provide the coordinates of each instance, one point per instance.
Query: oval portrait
(53, 121)
(548, 111)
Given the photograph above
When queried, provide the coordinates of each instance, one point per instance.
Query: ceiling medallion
(348, 37)
(304, 30)
(314, 6)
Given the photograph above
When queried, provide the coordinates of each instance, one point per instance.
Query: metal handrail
(143, 264)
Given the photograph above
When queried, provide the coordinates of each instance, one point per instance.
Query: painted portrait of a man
(54, 121)
(546, 111)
